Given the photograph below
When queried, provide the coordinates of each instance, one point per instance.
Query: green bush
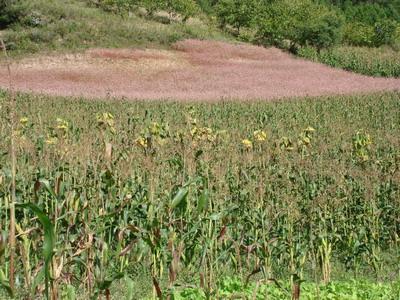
(206, 6)
(396, 44)
(385, 32)
(152, 6)
(116, 6)
(379, 34)
(370, 24)
(302, 23)
(359, 34)
(184, 8)
(11, 12)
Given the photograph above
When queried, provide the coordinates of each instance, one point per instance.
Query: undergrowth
(232, 288)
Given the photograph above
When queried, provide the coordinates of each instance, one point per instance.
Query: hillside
(73, 25)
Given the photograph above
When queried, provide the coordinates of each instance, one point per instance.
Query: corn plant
(149, 199)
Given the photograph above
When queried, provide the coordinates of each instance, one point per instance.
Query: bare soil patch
(193, 70)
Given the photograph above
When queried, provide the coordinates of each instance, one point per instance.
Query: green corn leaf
(130, 288)
(179, 197)
(203, 201)
(216, 216)
(4, 283)
(38, 279)
(70, 293)
(49, 239)
(105, 284)
(3, 243)
(46, 184)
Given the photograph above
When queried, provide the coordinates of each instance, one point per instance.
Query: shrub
(11, 11)
(321, 30)
(385, 32)
(361, 34)
(370, 24)
(152, 6)
(116, 6)
(206, 6)
(184, 8)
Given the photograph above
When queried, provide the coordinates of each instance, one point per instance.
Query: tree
(301, 22)
(236, 13)
(321, 28)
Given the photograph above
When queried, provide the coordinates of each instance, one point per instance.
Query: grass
(183, 194)
(379, 62)
(73, 25)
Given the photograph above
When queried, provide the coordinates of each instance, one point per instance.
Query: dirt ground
(194, 70)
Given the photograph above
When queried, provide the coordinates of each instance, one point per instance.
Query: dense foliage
(371, 24)
(11, 11)
(176, 195)
(315, 23)
(237, 13)
(301, 22)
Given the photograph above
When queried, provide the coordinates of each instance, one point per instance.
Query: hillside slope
(72, 24)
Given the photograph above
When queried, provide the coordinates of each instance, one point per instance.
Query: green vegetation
(10, 12)
(316, 23)
(69, 25)
(302, 22)
(234, 288)
(324, 25)
(325, 31)
(236, 13)
(371, 24)
(176, 8)
(130, 193)
(383, 62)
(332, 28)
(155, 199)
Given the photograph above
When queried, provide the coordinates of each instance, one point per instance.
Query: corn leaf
(49, 239)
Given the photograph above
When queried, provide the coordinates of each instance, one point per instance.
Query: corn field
(140, 199)
(378, 62)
